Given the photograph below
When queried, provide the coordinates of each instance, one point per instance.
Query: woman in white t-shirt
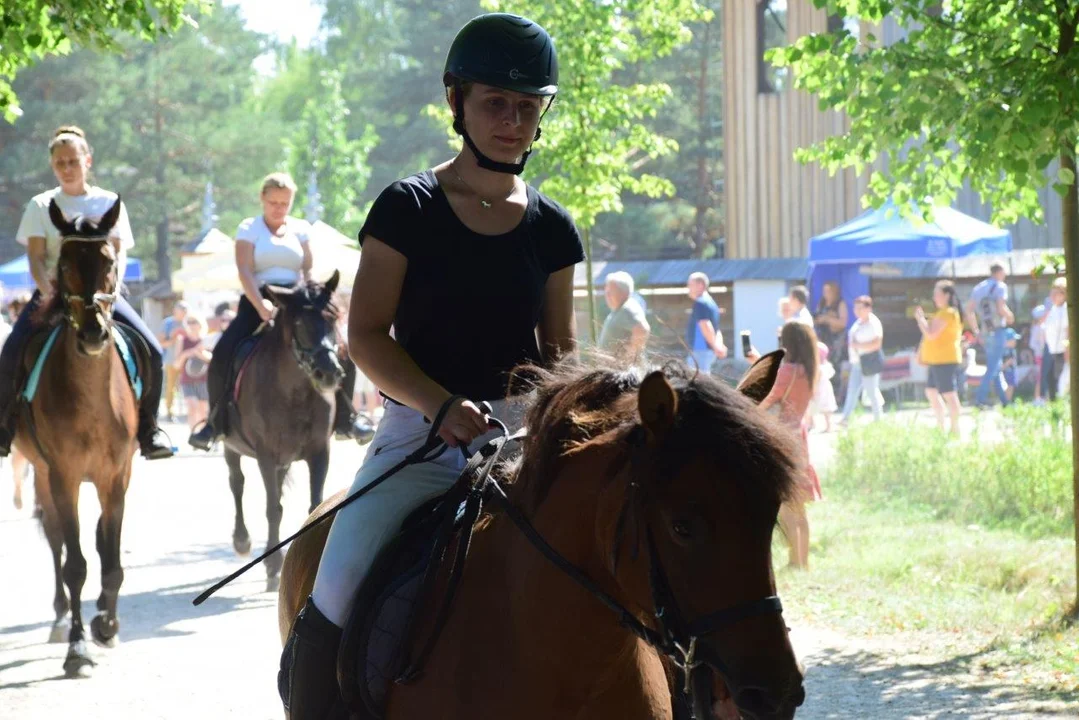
(271, 249)
(865, 336)
(70, 157)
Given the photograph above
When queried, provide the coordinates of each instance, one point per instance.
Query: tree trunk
(703, 131)
(1070, 213)
(164, 265)
(588, 284)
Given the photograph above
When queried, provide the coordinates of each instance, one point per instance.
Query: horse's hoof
(18, 502)
(273, 583)
(58, 634)
(242, 545)
(78, 662)
(104, 630)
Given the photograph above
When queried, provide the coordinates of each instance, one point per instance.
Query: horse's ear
(59, 221)
(108, 220)
(758, 381)
(657, 403)
(331, 285)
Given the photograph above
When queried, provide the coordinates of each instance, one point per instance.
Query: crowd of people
(848, 360)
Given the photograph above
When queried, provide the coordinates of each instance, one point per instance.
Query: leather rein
(673, 636)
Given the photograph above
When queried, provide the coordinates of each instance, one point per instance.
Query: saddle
(382, 628)
(129, 344)
(241, 358)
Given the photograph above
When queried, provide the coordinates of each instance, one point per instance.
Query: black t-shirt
(470, 303)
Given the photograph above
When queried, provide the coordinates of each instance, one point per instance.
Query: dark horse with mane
(283, 405)
(661, 493)
(80, 425)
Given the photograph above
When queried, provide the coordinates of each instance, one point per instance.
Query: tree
(33, 29)
(320, 145)
(163, 118)
(595, 137)
(985, 92)
(392, 53)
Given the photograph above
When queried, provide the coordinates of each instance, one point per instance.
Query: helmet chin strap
(482, 160)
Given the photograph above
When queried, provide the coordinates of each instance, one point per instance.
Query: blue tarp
(15, 275)
(882, 235)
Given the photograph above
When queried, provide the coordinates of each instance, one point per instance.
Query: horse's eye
(681, 529)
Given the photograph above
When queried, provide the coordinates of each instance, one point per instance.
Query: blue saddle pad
(123, 346)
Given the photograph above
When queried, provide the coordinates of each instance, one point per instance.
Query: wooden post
(592, 334)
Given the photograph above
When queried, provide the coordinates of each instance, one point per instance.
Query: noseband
(307, 356)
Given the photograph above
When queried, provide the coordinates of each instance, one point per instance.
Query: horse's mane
(574, 405)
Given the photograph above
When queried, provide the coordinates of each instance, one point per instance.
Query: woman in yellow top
(941, 351)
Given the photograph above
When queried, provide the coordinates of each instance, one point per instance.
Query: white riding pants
(361, 530)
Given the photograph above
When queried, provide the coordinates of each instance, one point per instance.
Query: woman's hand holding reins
(463, 423)
(265, 310)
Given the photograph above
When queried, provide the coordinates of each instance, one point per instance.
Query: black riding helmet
(504, 51)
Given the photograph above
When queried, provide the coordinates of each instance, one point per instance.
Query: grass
(1016, 475)
(944, 555)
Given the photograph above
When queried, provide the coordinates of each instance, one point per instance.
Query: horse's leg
(104, 626)
(241, 539)
(273, 478)
(50, 523)
(317, 467)
(65, 497)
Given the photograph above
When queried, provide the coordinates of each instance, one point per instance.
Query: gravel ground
(175, 661)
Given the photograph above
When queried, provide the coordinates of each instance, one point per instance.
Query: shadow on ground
(844, 684)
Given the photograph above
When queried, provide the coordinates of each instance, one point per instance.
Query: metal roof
(658, 273)
(673, 273)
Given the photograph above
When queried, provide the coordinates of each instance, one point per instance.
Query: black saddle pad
(375, 644)
(243, 352)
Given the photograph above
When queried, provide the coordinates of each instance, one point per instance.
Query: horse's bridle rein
(673, 637)
(102, 300)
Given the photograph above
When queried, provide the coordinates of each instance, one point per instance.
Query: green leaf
(1066, 176)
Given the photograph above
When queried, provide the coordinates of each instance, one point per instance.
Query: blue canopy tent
(882, 235)
(15, 275)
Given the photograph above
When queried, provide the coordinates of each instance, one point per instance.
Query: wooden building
(774, 204)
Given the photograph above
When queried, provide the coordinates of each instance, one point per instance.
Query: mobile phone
(747, 345)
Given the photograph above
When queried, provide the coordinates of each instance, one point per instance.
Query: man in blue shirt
(703, 337)
(987, 310)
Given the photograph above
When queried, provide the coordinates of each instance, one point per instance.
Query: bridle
(103, 301)
(307, 356)
(672, 636)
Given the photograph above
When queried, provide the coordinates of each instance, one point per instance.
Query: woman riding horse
(271, 249)
(70, 157)
(437, 247)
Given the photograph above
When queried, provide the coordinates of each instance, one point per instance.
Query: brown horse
(284, 412)
(616, 473)
(81, 426)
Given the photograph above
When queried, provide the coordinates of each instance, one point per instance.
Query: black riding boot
(153, 442)
(350, 424)
(7, 432)
(307, 681)
(211, 431)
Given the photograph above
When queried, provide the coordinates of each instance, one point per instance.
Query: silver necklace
(485, 203)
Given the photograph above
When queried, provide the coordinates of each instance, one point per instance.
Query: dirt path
(177, 662)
